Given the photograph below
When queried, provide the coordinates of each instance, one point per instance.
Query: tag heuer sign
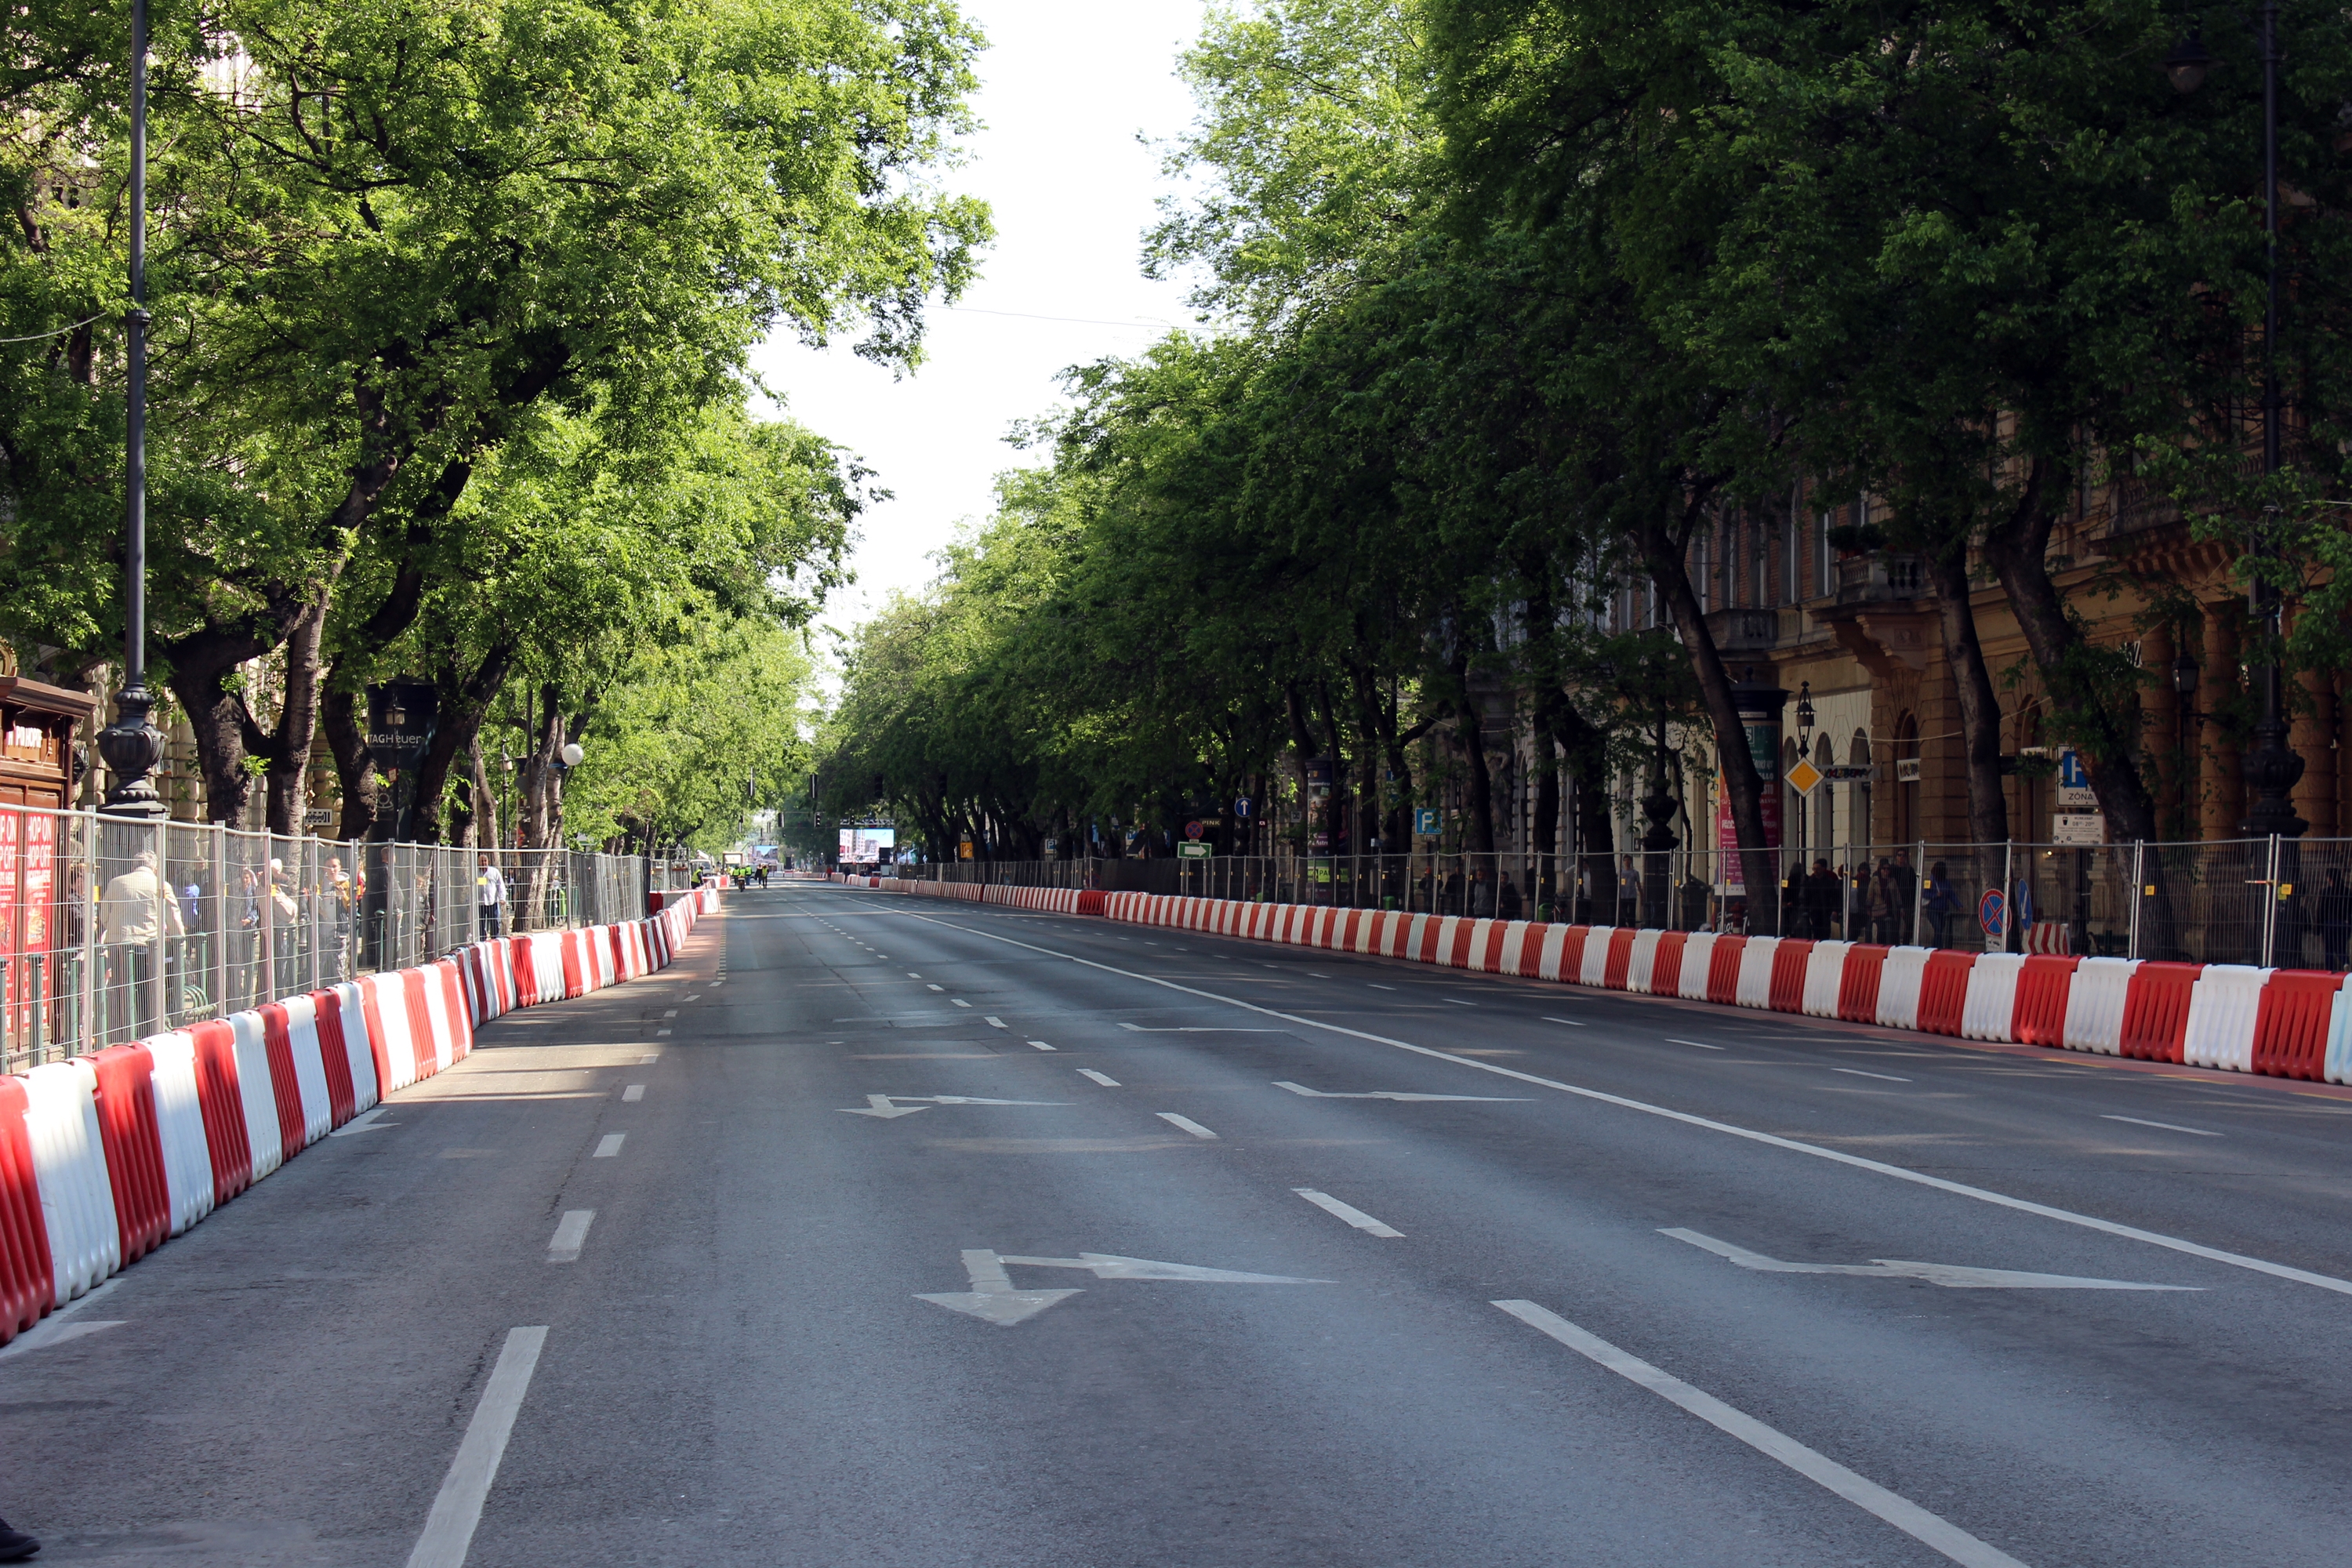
(401, 721)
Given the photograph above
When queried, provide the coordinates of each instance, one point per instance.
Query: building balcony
(1744, 631)
(1879, 577)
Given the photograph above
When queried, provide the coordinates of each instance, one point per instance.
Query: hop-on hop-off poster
(1731, 875)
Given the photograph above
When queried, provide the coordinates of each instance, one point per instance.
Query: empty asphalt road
(882, 1231)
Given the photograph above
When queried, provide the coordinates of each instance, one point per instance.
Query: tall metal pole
(2272, 765)
(130, 746)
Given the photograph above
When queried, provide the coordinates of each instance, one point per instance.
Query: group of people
(1868, 903)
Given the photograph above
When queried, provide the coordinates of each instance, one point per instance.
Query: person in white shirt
(491, 892)
(136, 908)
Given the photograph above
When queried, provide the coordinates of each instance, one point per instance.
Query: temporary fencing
(104, 1156)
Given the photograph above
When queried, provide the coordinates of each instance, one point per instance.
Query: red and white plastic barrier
(105, 1156)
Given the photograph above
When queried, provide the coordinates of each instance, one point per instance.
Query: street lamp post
(131, 745)
(1805, 717)
(2272, 765)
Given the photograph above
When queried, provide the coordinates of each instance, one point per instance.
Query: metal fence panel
(113, 929)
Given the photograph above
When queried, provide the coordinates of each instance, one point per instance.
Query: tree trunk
(538, 806)
(485, 800)
(1662, 557)
(464, 701)
(288, 749)
(1469, 729)
(2105, 730)
(354, 763)
(1947, 572)
(201, 664)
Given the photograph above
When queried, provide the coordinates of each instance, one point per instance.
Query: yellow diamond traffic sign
(1804, 776)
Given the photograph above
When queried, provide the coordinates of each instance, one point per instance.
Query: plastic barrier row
(104, 1157)
(2285, 1023)
(1049, 900)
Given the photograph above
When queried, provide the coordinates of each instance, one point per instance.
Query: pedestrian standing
(1821, 900)
(136, 908)
(1906, 895)
(490, 893)
(1880, 902)
(1942, 903)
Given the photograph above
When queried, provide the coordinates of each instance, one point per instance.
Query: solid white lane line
(609, 1145)
(1931, 1530)
(2168, 1127)
(1103, 1078)
(1570, 1022)
(1040, 1045)
(634, 1092)
(449, 1527)
(1857, 1072)
(1769, 1140)
(1702, 1045)
(1381, 987)
(1347, 1212)
(1457, 1001)
(1186, 1123)
(571, 1233)
(992, 1022)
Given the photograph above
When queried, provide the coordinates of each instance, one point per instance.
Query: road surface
(882, 1231)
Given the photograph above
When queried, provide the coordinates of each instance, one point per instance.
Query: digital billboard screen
(866, 846)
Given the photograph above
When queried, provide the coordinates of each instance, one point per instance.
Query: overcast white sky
(1067, 87)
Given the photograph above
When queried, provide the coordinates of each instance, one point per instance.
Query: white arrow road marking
(1932, 1530)
(881, 1104)
(993, 1298)
(364, 1122)
(1952, 1275)
(1198, 1030)
(1393, 1094)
